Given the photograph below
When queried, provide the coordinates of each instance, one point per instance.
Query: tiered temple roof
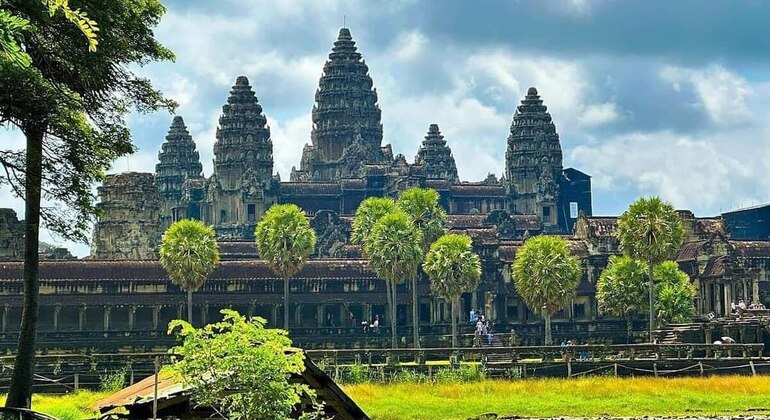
(243, 147)
(347, 131)
(177, 161)
(436, 157)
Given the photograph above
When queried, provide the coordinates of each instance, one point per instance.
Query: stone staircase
(496, 342)
(680, 333)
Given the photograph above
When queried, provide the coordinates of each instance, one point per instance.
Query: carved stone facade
(131, 225)
(347, 162)
(11, 236)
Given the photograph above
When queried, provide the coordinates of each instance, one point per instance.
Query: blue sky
(649, 97)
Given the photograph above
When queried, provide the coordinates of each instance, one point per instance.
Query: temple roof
(310, 188)
(436, 157)
(478, 189)
(177, 160)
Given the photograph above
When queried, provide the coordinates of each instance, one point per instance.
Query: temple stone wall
(11, 236)
(131, 226)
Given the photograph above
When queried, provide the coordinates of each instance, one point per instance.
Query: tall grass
(66, 407)
(590, 396)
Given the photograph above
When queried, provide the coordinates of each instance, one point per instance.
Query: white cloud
(723, 94)
(599, 114)
(409, 45)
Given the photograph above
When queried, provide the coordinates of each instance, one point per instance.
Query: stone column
(204, 314)
(298, 314)
(82, 318)
(5, 318)
(131, 317)
(367, 312)
(274, 315)
(343, 317)
(56, 310)
(180, 312)
(155, 317)
(319, 314)
(107, 310)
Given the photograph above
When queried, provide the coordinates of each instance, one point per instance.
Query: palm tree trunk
(389, 294)
(629, 328)
(393, 318)
(548, 338)
(652, 299)
(189, 307)
(20, 391)
(415, 314)
(286, 304)
(454, 321)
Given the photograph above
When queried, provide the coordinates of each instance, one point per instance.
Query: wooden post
(76, 385)
(155, 391)
(569, 368)
(616, 369)
(655, 368)
(753, 370)
(700, 365)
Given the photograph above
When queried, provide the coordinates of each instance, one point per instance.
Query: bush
(113, 381)
(355, 374)
(464, 373)
(410, 376)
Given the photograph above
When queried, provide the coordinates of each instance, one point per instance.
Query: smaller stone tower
(239, 191)
(177, 161)
(533, 161)
(436, 157)
(130, 227)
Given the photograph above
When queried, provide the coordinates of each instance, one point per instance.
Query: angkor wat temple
(121, 298)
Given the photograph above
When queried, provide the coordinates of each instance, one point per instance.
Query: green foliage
(285, 239)
(77, 101)
(545, 274)
(463, 373)
(650, 230)
(355, 374)
(423, 208)
(240, 367)
(622, 287)
(394, 247)
(369, 212)
(674, 294)
(189, 252)
(12, 30)
(113, 381)
(452, 266)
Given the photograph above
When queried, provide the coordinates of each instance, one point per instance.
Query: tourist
(365, 326)
(473, 317)
(733, 308)
(726, 340)
(375, 326)
(351, 319)
(712, 316)
(513, 339)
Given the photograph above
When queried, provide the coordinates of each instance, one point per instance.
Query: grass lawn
(591, 396)
(66, 407)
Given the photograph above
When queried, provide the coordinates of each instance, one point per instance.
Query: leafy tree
(674, 294)
(650, 231)
(369, 212)
(286, 240)
(189, 252)
(453, 268)
(546, 276)
(622, 290)
(427, 215)
(239, 367)
(69, 104)
(13, 28)
(394, 249)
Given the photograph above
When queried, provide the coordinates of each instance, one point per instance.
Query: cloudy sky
(649, 97)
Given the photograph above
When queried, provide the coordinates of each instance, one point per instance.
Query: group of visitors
(740, 308)
(566, 352)
(483, 327)
(373, 327)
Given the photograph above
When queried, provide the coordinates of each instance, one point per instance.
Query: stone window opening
(222, 216)
(546, 214)
(251, 212)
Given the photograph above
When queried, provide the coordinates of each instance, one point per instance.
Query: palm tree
(651, 231)
(369, 212)
(427, 215)
(453, 268)
(394, 249)
(189, 253)
(675, 293)
(622, 289)
(546, 276)
(285, 240)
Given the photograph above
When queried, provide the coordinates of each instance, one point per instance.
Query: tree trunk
(454, 321)
(415, 314)
(189, 307)
(389, 294)
(548, 338)
(393, 318)
(286, 304)
(20, 391)
(652, 299)
(629, 328)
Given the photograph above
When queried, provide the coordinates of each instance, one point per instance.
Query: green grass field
(66, 407)
(592, 396)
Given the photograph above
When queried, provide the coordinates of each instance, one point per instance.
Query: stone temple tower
(177, 161)
(436, 157)
(533, 161)
(239, 191)
(347, 132)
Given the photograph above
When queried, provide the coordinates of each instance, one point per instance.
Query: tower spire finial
(344, 24)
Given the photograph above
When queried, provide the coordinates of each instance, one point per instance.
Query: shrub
(113, 381)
